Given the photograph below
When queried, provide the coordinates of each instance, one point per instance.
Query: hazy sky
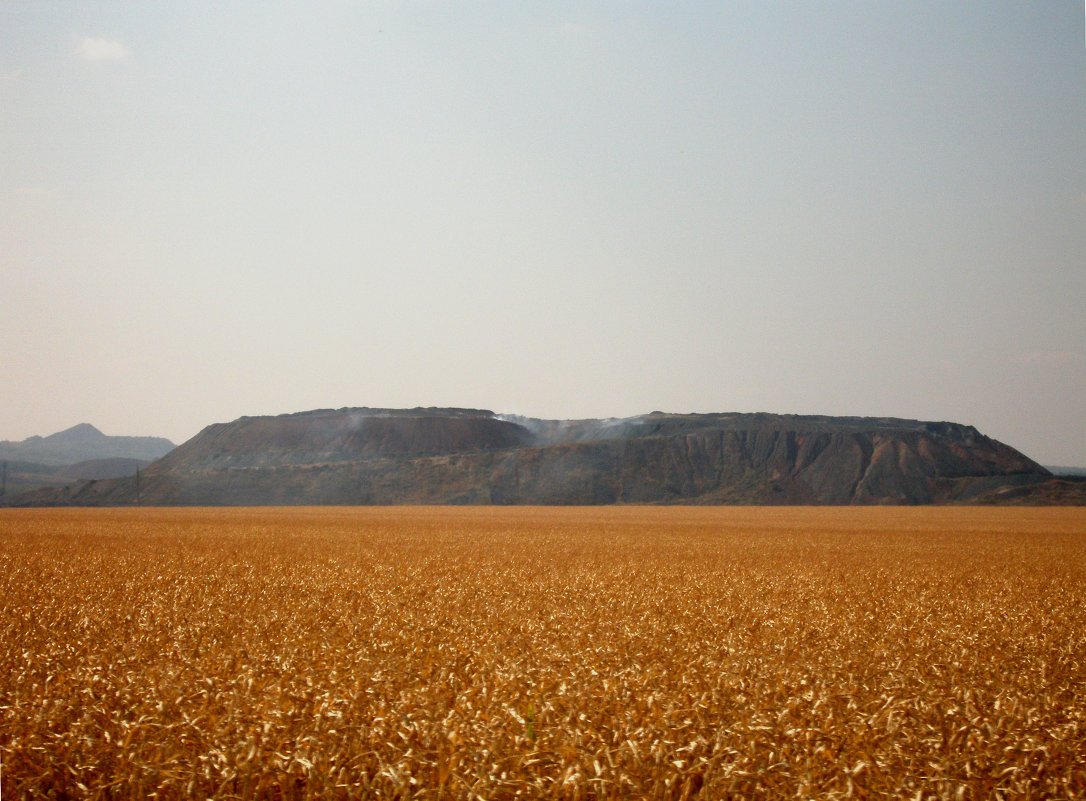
(555, 209)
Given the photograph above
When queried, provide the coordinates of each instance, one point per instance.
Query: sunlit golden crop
(499, 653)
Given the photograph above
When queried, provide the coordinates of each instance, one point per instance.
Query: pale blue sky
(553, 209)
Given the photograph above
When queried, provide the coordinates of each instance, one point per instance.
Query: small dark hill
(448, 456)
(1062, 491)
(93, 469)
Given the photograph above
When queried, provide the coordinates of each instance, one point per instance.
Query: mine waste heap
(470, 456)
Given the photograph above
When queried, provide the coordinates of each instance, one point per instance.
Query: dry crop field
(543, 653)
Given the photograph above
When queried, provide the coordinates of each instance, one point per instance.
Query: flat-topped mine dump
(473, 456)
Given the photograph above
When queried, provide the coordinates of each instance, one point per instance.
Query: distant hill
(456, 456)
(83, 443)
(79, 453)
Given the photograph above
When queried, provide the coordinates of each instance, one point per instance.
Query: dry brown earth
(484, 652)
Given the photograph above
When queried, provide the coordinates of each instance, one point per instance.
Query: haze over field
(559, 210)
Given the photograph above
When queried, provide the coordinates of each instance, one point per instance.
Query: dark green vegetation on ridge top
(471, 456)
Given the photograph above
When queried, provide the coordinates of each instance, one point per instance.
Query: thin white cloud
(91, 49)
(1051, 358)
(9, 84)
(35, 191)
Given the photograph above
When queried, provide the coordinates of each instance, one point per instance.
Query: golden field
(497, 653)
